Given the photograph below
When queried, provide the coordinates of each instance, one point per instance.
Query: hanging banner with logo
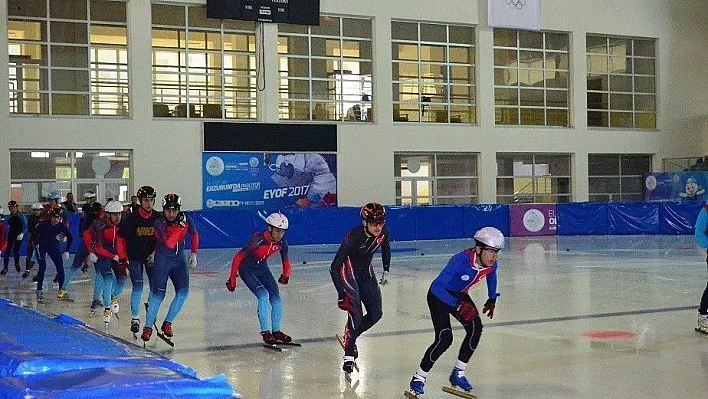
(676, 186)
(533, 220)
(516, 14)
(268, 181)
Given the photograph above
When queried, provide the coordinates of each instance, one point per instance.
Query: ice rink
(578, 317)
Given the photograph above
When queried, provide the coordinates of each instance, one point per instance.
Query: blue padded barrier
(438, 222)
(626, 218)
(401, 221)
(329, 225)
(84, 363)
(582, 218)
(678, 217)
(477, 216)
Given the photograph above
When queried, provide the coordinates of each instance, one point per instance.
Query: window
(202, 68)
(433, 72)
(436, 179)
(621, 82)
(325, 70)
(617, 177)
(533, 178)
(36, 173)
(68, 57)
(531, 78)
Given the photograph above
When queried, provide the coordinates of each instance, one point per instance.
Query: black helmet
(12, 203)
(373, 212)
(171, 201)
(56, 211)
(146, 192)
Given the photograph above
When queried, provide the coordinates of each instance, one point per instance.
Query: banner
(517, 14)
(268, 181)
(533, 220)
(675, 186)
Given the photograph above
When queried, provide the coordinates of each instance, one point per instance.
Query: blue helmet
(54, 195)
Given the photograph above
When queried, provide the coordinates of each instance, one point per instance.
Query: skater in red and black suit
(354, 278)
(251, 264)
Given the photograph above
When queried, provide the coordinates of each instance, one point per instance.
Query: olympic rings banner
(268, 181)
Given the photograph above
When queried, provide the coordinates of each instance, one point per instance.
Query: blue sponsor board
(268, 181)
(676, 186)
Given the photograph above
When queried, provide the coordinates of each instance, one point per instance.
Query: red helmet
(373, 212)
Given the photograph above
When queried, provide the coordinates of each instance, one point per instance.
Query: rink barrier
(82, 363)
(232, 228)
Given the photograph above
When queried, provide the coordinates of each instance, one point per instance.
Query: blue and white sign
(268, 181)
(676, 186)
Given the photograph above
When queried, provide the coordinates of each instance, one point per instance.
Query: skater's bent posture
(353, 276)
(448, 296)
(50, 235)
(170, 262)
(251, 264)
(702, 238)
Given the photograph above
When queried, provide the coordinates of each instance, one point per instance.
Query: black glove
(466, 310)
(489, 306)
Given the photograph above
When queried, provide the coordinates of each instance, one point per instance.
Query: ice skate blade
(341, 343)
(289, 343)
(458, 392)
(273, 347)
(411, 395)
(165, 338)
(698, 330)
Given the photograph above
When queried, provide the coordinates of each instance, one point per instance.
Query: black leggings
(13, 246)
(703, 309)
(440, 314)
(365, 295)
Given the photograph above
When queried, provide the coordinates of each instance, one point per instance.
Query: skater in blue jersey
(50, 235)
(702, 238)
(170, 263)
(448, 295)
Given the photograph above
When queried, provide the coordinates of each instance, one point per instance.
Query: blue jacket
(702, 227)
(460, 275)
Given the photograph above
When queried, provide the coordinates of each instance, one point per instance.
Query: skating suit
(49, 238)
(170, 260)
(251, 264)
(460, 275)
(354, 278)
(17, 224)
(138, 229)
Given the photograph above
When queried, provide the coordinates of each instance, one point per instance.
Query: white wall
(167, 153)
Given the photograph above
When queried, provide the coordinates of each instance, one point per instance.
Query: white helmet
(490, 237)
(277, 220)
(113, 207)
(37, 205)
(89, 194)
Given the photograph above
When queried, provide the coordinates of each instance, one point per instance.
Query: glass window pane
(507, 58)
(433, 53)
(69, 56)
(597, 64)
(329, 26)
(69, 32)
(644, 66)
(101, 34)
(620, 46)
(645, 120)
(462, 34)
(532, 117)
(506, 116)
(644, 84)
(598, 101)
(603, 164)
(108, 11)
(355, 27)
(530, 39)
(27, 8)
(635, 164)
(456, 164)
(531, 97)
(504, 38)
(506, 97)
(68, 9)
(461, 55)
(557, 41)
(621, 119)
(598, 119)
(644, 48)
(621, 83)
(433, 33)
(404, 31)
(463, 187)
(644, 102)
(70, 80)
(197, 18)
(621, 102)
(70, 104)
(596, 44)
(27, 30)
(557, 98)
(163, 14)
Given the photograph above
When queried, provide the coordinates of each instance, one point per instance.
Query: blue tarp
(582, 218)
(83, 363)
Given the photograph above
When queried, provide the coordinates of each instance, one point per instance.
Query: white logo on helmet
(464, 277)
